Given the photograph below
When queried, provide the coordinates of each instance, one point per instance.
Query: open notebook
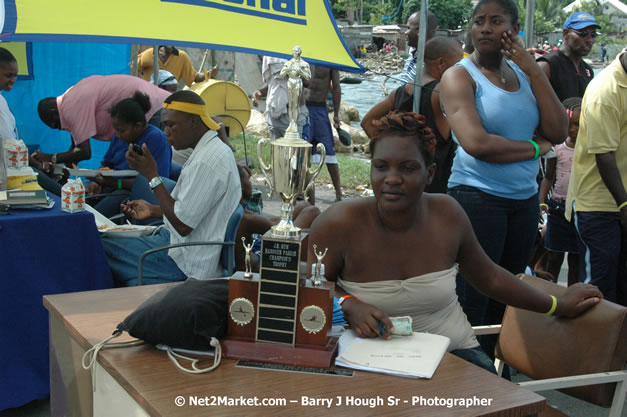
(415, 356)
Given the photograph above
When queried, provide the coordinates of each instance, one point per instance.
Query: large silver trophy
(290, 173)
(287, 317)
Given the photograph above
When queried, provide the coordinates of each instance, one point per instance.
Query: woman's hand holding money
(364, 319)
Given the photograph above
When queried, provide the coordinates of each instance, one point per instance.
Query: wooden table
(141, 380)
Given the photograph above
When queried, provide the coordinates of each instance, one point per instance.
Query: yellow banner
(263, 27)
(24, 57)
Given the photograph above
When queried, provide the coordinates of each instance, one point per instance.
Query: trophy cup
(286, 318)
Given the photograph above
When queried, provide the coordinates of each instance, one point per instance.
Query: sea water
(369, 92)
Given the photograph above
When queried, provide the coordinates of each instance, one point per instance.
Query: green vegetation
(353, 171)
(455, 14)
(451, 14)
(549, 16)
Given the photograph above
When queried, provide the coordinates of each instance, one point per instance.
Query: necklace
(500, 74)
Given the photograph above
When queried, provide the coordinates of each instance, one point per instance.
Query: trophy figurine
(248, 248)
(317, 269)
(289, 173)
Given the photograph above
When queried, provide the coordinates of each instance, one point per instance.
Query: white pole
(420, 53)
(529, 19)
(155, 71)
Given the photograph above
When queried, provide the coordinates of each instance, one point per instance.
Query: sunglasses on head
(585, 33)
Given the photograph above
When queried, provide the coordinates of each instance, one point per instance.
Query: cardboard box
(73, 196)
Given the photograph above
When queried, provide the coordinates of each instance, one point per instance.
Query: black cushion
(184, 316)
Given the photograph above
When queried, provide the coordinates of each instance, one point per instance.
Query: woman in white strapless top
(397, 253)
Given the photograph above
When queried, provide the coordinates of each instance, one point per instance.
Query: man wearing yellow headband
(201, 203)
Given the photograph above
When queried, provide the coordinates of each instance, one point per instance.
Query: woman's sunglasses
(585, 33)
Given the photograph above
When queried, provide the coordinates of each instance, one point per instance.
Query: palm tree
(547, 14)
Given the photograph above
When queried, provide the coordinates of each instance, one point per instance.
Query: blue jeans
(476, 356)
(47, 183)
(506, 230)
(123, 255)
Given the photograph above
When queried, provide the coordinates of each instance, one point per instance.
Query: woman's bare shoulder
(454, 78)
(445, 207)
(345, 214)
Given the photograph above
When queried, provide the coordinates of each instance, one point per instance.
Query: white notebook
(415, 356)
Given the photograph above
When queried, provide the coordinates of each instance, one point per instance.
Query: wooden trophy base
(276, 317)
(299, 355)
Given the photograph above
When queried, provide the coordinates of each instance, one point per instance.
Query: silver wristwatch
(155, 182)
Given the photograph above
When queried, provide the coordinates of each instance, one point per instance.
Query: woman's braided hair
(406, 124)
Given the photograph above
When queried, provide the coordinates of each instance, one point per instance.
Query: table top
(153, 381)
(17, 213)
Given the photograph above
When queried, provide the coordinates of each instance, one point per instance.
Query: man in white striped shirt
(413, 26)
(198, 209)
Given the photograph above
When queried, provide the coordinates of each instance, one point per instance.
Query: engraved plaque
(280, 254)
(278, 289)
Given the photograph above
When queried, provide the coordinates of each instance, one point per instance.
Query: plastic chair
(175, 171)
(583, 357)
(227, 255)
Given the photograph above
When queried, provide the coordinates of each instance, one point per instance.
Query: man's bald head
(414, 25)
(441, 53)
(440, 46)
(49, 112)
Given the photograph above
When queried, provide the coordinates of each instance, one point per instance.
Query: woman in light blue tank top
(504, 115)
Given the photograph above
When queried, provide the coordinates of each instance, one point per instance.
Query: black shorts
(561, 235)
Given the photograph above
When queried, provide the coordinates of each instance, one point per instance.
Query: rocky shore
(382, 63)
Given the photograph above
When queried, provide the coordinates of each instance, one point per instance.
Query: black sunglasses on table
(585, 33)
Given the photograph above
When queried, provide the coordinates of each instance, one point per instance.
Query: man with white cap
(275, 91)
(565, 68)
(198, 209)
(166, 81)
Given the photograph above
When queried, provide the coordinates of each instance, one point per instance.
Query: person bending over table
(400, 251)
(199, 208)
(504, 115)
(83, 110)
(128, 118)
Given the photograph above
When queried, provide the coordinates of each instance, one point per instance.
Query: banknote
(402, 326)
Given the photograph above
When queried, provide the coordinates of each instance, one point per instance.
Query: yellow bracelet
(623, 204)
(544, 205)
(553, 307)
